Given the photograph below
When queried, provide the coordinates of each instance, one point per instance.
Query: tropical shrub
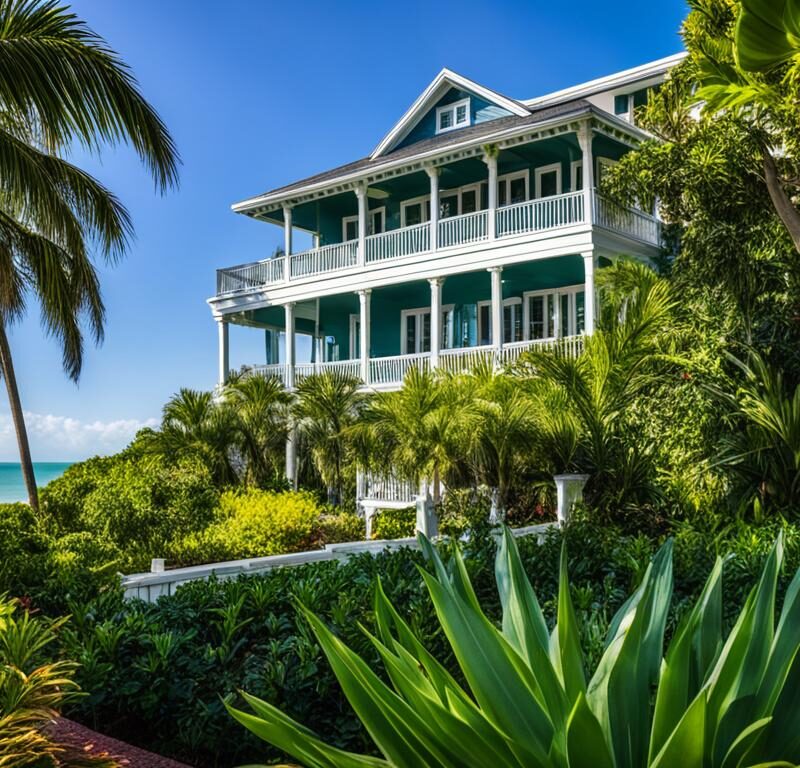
(394, 523)
(719, 700)
(24, 543)
(338, 526)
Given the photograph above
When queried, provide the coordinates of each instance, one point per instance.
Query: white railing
(628, 221)
(542, 214)
(392, 370)
(464, 358)
(273, 369)
(344, 367)
(399, 242)
(329, 258)
(385, 488)
(569, 346)
(248, 276)
(460, 230)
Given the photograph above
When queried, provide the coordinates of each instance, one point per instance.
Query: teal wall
(481, 111)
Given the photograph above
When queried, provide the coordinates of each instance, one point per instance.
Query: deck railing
(464, 358)
(345, 367)
(540, 215)
(460, 230)
(246, 276)
(392, 370)
(627, 221)
(273, 369)
(399, 242)
(329, 258)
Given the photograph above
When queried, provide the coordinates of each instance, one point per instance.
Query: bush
(394, 523)
(338, 527)
(24, 546)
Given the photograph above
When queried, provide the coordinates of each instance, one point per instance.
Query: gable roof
(445, 80)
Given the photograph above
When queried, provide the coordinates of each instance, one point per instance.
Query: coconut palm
(327, 406)
(62, 87)
(260, 409)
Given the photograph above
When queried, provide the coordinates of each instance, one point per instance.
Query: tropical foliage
(719, 700)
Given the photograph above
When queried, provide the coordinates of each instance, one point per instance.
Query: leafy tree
(61, 86)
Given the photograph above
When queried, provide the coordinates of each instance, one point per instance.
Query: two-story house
(473, 229)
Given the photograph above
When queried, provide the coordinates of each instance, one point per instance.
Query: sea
(12, 486)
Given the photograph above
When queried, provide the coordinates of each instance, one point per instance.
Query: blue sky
(259, 94)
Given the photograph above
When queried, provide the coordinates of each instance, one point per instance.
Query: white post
(291, 457)
(589, 295)
(436, 319)
(361, 194)
(491, 164)
(315, 339)
(569, 491)
(433, 175)
(497, 306)
(426, 522)
(587, 169)
(287, 242)
(364, 306)
(289, 310)
(224, 354)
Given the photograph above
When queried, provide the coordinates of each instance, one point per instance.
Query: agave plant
(719, 701)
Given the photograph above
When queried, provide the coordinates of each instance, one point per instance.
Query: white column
(287, 242)
(289, 310)
(569, 491)
(433, 175)
(497, 306)
(315, 339)
(491, 164)
(436, 319)
(361, 194)
(589, 295)
(224, 354)
(364, 306)
(587, 168)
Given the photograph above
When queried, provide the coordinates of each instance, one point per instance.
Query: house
(505, 260)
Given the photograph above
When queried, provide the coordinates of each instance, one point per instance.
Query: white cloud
(61, 438)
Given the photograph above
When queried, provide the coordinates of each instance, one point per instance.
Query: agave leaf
(398, 731)
(273, 726)
(691, 653)
(619, 691)
(457, 576)
(686, 744)
(586, 743)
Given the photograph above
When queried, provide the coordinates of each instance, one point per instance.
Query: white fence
(150, 586)
(247, 276)
(399, 242)
(460, 230)
(540, 215)
(392, 370)
(329, 258)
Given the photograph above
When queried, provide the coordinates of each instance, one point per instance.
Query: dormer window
(451, 116)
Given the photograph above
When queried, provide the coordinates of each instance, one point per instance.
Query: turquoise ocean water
(12, 488)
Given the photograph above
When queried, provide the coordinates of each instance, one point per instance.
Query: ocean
(12, 487)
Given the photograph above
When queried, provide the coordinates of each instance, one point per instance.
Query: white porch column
(364, 306)
(491, 225)
(589, 295)
(587, 169)
(224, 354)
(289, 310)
(433, 174)
(569, 491)
(436, 319)
(287, 242)
(361, 194)
(497, 306)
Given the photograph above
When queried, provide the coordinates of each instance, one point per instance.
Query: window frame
(355, 322)
(574, 167)
(447, 309)
(370, 224)
(510, 301)
(506, 179)
(541, 171)
(422, 199)
(554, 295)
(453, 109)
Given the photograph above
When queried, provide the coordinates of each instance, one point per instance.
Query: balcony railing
(541, 215)
(392, 370)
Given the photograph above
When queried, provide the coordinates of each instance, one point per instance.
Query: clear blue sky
(259, 94)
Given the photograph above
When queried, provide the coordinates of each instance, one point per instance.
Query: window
(450, 116)
(555, 313)
(512, 321)
(355, 337)
(416, 330)
(548, 180)
(576, 176)
(416, 211)
(375, 225)
(512, 188)
(622, 106)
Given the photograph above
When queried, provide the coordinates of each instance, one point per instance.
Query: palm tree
(61, 86)
(197, 424)
(260, 408)
(327, 406)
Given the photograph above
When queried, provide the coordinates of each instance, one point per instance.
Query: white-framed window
(513, 325)
(415, 329)
(460, 200)
(375, 225)
(452, 116)
(355, 337)
(553, 313)
(576, 175)
(548, 180)
(513, 188)
(415, 211)
(604, 164)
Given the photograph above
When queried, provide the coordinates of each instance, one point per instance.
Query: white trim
(553, 296)
(511, 300)
(447, 309)
(355, 351)
(437, 88)
(506, 180)
(453, 110)
(370, 223)
(651, 70)
(574, 167)
(424, 213)
(541, 171)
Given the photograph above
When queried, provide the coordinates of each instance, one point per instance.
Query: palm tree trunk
(7, 367)
(787, 213)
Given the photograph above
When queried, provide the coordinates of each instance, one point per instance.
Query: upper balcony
(542, 215)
